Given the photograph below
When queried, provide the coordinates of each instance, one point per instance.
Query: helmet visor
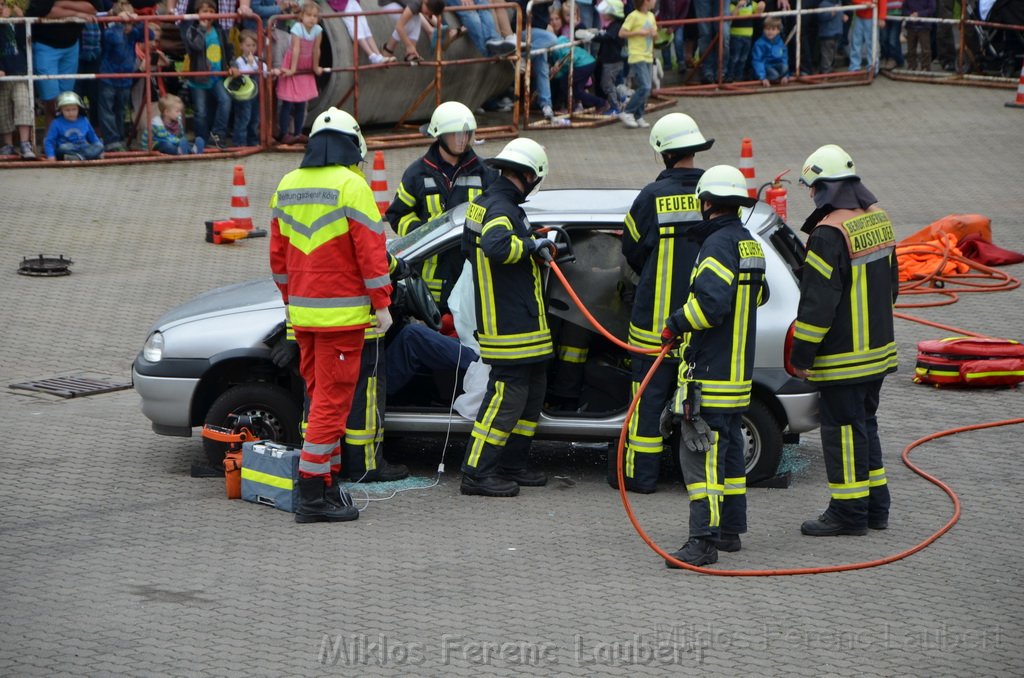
(457, 142)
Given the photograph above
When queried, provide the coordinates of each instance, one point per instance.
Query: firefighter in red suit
(328, 259)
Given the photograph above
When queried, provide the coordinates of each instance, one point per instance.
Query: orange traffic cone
(379, 183)
(1019, 102)
(241, 214)
(747, 165)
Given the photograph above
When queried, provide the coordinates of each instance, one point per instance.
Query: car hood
(253, 295)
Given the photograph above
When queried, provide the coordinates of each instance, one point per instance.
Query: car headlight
(153, 350)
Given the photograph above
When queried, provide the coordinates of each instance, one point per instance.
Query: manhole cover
(44, 265)
(73, 386)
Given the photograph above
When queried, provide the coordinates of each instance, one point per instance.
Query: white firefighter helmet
(828, 163)
(724, 185)
(678, 132)
(613, 8)
(449, 117)
(522, 154)
(69, 99)
(337, 120)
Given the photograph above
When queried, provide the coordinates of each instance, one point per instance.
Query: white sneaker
(640, 122)
(376, 58)
(548, 113)
(628, 120)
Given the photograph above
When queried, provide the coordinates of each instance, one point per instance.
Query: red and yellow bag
(966, 362)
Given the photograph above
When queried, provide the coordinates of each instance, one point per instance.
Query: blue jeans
(48, 60)
(201, 99)
(641, 73)
(676, 44)
(890, 42)
(113, 101)
(705, 32)
(479, 24)
(84, 149)
(247, 122)
(417, 348)
(539, 65)
(774, 72)
(739, 51)
(265, 9)
(287, 111)
(860, 41)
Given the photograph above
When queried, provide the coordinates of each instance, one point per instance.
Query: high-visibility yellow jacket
(327, 249)
(512, 324)
(849, 283)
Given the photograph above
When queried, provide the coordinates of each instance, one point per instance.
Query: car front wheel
(279, 416)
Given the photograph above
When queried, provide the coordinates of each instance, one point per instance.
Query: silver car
(208, 359)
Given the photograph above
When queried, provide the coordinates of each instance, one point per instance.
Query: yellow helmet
(240, 87)
(337, 120)
(613, 8)
(828, 163)
(449, 117)
(724, 185)
(678, 132)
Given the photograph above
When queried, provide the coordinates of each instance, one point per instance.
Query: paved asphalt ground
(114, 561)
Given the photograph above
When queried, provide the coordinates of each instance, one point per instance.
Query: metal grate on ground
(73, 386)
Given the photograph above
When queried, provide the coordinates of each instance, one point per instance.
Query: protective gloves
(542, 248)
(675, 327)
(285, 351)
(402, 269)
(697, 435)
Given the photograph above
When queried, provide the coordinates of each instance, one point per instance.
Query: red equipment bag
(965, 362)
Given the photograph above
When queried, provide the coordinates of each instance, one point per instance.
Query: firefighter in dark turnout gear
(660, 243)
(512, 325)
(718, 324)
(449, 174)
(364, 431)
(844, 341)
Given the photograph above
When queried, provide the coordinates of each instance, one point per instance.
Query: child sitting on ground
(770, 58)
(71, 136)
(168, 129)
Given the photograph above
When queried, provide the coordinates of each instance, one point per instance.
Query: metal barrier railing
(439, 63)
(265, 91)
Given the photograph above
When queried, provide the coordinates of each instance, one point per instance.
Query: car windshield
(435, 228)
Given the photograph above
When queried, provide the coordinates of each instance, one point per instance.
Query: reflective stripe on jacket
(660, 243)
(512, 325)
(727, 286)
(327, 249)
(850, 280)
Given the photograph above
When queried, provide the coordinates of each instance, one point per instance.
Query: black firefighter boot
(314, 505)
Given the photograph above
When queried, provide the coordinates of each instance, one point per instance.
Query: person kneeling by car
(718, 326)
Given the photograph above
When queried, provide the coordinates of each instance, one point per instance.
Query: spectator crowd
(621, 49)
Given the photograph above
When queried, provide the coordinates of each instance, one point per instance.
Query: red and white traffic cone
(241, 213)
(1019, 102)
(379, 183)
(747, 165)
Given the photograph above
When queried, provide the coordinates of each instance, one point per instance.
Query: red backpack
(965, 362)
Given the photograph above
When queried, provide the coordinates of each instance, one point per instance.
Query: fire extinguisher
(776, 196)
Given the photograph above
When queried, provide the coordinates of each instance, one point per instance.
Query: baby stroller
(998, 51)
